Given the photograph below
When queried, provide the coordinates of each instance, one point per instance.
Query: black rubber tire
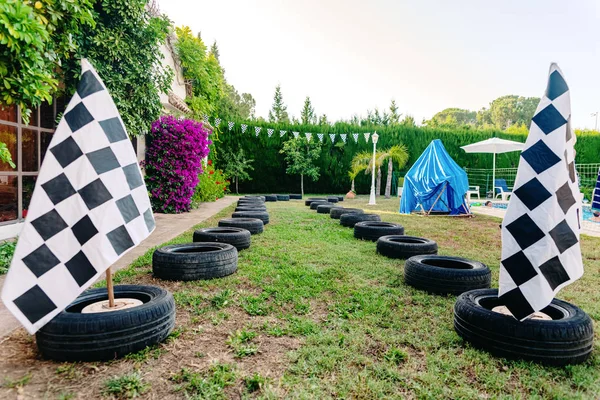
(237, 237)
(262, 198)
(315, 204)
(244, 202)
(309, 201)
(446, 275)
(566, 339)
(262, 215)
(337, 212)
(295, 197)
(283, 197)
(350, 219)
(194, 261)
(325, 208)
(251, 208)
(373, 230)
(252, 225)
(403, 247)
(73, 336)
(340, 198)
(332, 199)
(270, 197)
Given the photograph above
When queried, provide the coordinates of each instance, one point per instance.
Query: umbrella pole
(494, 178)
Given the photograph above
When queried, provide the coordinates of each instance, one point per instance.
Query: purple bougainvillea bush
(174, 154)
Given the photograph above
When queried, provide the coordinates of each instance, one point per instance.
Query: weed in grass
(191, 301)
(13, 383)
(301, 326)
(254, 382)
(256, 305)
(221, 300)
(68, 371)
(396, 355)
(66, 396)
(150, 351)
(218, 318)
(273, 330)
(207, 385)
(240, 343)
(126, 386)
(199, 354)
(175, 334)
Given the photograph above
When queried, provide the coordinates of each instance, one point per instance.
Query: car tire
(262, 215)
(446, 275)
(309, 201)
(404, 247)
(237, 237)
(194, 261)
(340, 198)
(332, 199)
(252, 225)
(337, 212)
(325, 208)
(270, 197)
(351, 219)
(73, 336)
(315, 204)
(251, 208)
(295, 197)
(566, 339)
(373, 230)
(283, 197)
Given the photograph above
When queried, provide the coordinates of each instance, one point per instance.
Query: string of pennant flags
(270, 131)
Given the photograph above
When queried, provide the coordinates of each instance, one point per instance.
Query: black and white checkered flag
(296, 134)
(540, 233)
(89, 207)
(308, 136)
(332, 137)
(343, 136)
(270, 132)
(281, 133)
(355, 136)
(244, 127)
(217, 122)
(230, 125)
(320, 136)
(257, 130)
(205, 118)
(367, 134)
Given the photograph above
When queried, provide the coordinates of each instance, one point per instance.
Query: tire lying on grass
(315, 204)
(446, 275)
(250, 202)
(253, 225)
(237, 237)
(262, 215)
(73, 336)
(332, 199)
(283, 197)
(349, 220)
(403, 247)
(309, 201)
(270, 197)
(340, 198)
(295, 197)
(566, 339)
(325, 208)
(251, 208)
(262, 198)
(337, 212)
(194, 261)
(373, 230)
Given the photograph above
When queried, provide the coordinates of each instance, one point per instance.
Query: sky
(428, 55)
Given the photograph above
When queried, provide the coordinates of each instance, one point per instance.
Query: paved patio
(168, 226)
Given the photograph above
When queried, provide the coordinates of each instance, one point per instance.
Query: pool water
(587, 210)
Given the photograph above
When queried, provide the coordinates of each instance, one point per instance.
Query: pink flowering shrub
(174, 154)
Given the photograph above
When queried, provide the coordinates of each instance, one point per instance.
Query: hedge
(269, 174)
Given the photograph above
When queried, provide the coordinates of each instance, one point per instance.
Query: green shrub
(212, 185)
(7, 249)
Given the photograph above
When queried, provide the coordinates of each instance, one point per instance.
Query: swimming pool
(587, 210)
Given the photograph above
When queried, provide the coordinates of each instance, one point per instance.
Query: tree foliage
(451, 117)
(300, 156)
(394, 115)
(237, 166)
(278, 112)
(307, 115)
(35, 37)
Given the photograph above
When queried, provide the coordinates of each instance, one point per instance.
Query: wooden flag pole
(109, 287)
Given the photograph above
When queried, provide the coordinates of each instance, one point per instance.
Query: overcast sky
(354, 55)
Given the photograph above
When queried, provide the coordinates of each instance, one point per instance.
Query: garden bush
(212, 185)
(175, 149)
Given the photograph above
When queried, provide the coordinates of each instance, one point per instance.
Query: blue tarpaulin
(433, 173)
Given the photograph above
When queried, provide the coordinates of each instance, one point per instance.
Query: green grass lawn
(314, 313)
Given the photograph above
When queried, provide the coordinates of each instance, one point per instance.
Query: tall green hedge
(269, 166)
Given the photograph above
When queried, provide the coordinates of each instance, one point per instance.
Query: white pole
(494, 178)
(372, 197)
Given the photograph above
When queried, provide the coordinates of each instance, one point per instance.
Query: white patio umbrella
(496, 146)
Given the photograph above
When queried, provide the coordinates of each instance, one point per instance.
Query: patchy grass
(125, 387)
(314, 313)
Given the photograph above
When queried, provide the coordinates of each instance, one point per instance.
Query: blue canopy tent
(596, 194)
(435, 183)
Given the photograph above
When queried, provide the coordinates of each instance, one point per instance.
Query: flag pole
(109, 287)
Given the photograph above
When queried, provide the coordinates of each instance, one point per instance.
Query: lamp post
(372, 202)
(595, 114)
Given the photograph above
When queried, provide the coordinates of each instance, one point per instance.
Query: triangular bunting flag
(230, 125)
(269, 132)
(296, 134)
(257, 130)
(217, 122)
(281, 133)
(355, 136)
(367, 134)
(343, 136)
(90, 206)
(320, 136)
(308, 136)
(541, 252)
(205, 117)
(332, 137)
(244, 127)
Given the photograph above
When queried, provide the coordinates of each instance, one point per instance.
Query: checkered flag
(230, 125)
(308, 136)
(90, 206)
(205, 118)
(296, 134)
(540, 233)
(217, 122)
(367, 134)
(355, 136)
(257, 130)
(281, 133)
(332, 137)
(270, 132)
(320, 136)
(343, 136)
(244, 127)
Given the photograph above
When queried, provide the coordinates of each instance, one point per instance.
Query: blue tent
(435, 181)
(596, 194)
